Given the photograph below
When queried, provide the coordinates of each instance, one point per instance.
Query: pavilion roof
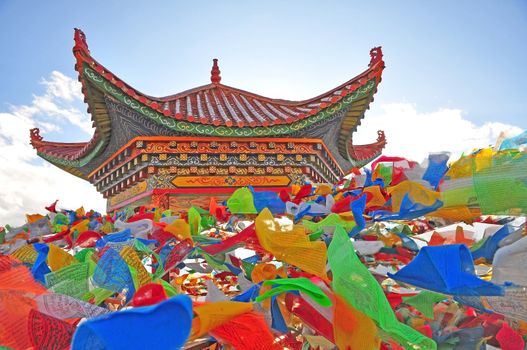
(214, 105)
(218, 104)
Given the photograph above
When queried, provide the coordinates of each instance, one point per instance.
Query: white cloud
(413, 134)
(56, 104)
(63, 87)
(27, 183)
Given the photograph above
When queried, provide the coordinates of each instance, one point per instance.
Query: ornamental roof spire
(80, 42)
(215, 72)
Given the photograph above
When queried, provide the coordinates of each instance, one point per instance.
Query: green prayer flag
(424, 302)
(301, 284)
(194, 221)
(98, 295)
(241, 202)
(71, 280)
(353, 282)
(331, 220)
(169, 289)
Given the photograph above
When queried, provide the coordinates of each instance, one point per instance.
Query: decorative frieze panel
(133, 191)
(230, 181)
(161, 152)
(162, 157)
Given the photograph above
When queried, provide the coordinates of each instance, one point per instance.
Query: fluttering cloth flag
(162, 326)
(447, 269)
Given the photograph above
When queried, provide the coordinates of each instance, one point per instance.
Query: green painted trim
(210, 130)
(361, 163)
(74, 163)
(200, 129)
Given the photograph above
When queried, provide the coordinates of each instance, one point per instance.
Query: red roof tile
(70, 151)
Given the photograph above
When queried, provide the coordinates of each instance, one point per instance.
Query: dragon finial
(380, 136)
(215, 72)
(80, 41)
(376, 55)
(34, 134)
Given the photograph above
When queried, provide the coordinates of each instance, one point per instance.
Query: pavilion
(171, 151)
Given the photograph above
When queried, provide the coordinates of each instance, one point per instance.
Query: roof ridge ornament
(380, 136)
(80, 41)
(376, 55)
(35, 137)
(215, 77)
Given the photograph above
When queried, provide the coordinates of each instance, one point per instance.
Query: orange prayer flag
(262, 272)
(213, 206)
(180, 229)
(31, 218)
(377, 198)
(212, 315)
(460, 237)
(248, 331)
(436, 239)
(457, 213)
(294, 189)
(352, 328)
(18, 289)
(390, 239)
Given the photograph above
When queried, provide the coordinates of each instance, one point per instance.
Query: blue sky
(454, 79)
(458, 54)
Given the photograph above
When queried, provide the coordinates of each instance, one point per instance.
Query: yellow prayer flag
(58, 258)
(483, 159)
(80, 212)
(291, 246)
(377, 199)
(131, 258)
(417, 192)
(323, 190)
(81, 226)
